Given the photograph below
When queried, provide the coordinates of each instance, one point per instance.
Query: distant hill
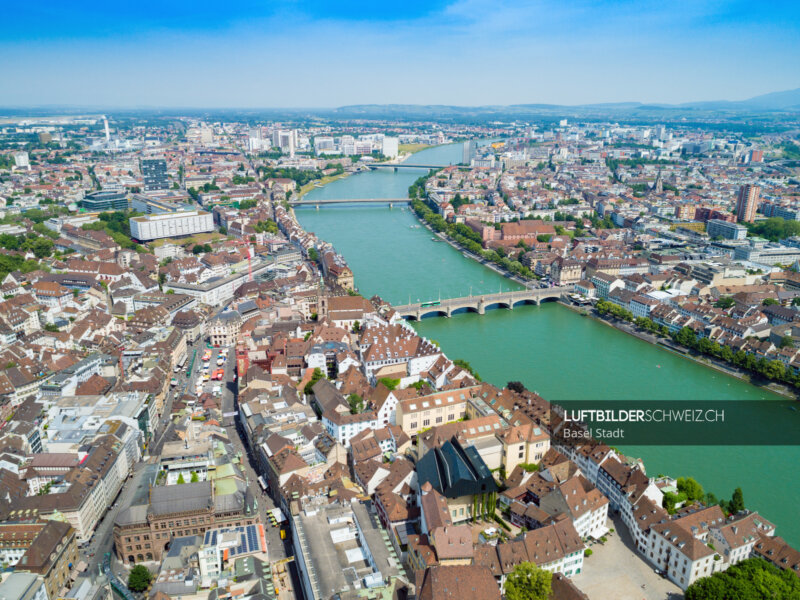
(777, 101)
(786, 100)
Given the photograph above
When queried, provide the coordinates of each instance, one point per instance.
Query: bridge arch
(465, 309)
(524, 301)
(549, 299)
(499, 304)
(436, 312)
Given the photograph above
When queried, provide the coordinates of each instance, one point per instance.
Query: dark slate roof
(455, 471)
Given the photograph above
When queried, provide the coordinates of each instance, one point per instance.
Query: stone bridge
(480, 303)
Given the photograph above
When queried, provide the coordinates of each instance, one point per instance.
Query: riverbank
(318, 183)
(472, 256)
(408, 150)
(552, 351)
(669, 345)
(666, 343)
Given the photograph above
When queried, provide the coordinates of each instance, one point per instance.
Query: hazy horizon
(461, 53)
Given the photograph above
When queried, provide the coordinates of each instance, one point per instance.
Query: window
(438, 420)
(426, 422)
(413, 425)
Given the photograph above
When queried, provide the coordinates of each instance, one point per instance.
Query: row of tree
(299, 177)
(484, 506)
(42, 247)
(117, 225)
(689, 490)
(769, 369)
(469, 240)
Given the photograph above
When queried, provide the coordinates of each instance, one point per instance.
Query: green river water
(552, 350)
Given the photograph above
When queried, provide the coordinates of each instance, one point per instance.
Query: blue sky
(289, 53)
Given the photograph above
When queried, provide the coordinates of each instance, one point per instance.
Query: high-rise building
(468, 152)
(747, 203)
(390, 147)
(206, 135)
(348, 144)
(154, 172)
(286, 140)
(323, 144)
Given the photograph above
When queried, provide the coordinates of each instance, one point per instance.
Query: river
(552, 350)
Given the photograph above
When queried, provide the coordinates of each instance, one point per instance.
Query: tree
(670, 502)
(389, 383)
(181, 480)
(195, 477)
(42, 247)
(690, 487)
(528, 582)
(770, 302)
(313, 255)
(356, 403)
(775, 229)
(356, 327)
(315, 377)
(467, 367)
(737, 501)
(139, 578)
(786, 342)
(725, 302)
(753, 578)
(726, 354)
(516, 386)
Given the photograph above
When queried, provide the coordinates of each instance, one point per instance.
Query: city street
(103, 540)
(277, 548)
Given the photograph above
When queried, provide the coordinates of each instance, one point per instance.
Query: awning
(600, 533)
(277, 513)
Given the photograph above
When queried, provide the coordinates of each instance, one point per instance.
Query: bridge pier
(481, 308)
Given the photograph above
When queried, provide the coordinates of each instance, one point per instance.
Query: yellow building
(417, 414)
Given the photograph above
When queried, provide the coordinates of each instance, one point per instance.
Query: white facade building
(168, 225)
(21, 160)
(390, 147)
